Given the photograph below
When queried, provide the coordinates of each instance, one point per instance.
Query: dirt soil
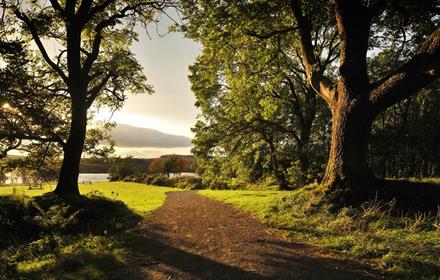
(193, 237)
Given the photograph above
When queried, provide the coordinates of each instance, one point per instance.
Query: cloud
(137, 137)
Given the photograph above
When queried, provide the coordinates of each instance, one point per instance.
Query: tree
(121, 168)
(34, 126)
(170, 165)
(255, 91)
(92, 63)
(157, 166)
(354, 98)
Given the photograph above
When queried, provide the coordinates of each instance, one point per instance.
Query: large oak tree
(91, 63)
(354, 97)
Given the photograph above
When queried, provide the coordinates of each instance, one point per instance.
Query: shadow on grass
(49, 237)
(410, 195)
(104, 241)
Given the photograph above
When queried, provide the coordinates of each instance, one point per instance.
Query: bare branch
(56, 5)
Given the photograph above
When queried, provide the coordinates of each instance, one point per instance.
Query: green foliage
(46, 228)
(186, 182)
(121, 168)
(258, 113)
(160, 180)
(171, 164)
(404, 245)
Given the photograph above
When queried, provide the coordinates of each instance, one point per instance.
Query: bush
(122, 168)
(160, 180)
(181, 182)
(186, 182)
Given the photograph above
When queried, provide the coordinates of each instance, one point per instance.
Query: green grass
(255, 202)
(139, 197)
(91, 237)
(399, 244)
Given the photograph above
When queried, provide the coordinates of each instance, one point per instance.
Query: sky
(169, 113)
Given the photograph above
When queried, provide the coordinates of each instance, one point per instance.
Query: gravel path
(193, 237)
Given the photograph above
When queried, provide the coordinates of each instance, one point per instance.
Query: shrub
(186, 182)
(160, 180)
(122, 168)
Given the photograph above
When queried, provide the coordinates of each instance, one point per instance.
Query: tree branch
(321, 84)
(40, 45)
(56, 5)
(417, 73)
(94, 92)
(270, 34)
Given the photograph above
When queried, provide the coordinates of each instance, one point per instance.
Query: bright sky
(170, 109)
(169, 113)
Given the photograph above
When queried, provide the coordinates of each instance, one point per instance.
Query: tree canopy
(91, 65)
(359, 57)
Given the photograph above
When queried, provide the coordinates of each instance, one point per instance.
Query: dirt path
(192, 237)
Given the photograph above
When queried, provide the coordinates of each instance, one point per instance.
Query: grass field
(139, 197)
(399, 244)
(91, 237)
(256, 202)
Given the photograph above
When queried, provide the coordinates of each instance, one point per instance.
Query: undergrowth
(48, 237)
(404, 244)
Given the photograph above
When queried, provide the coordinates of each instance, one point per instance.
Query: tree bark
(279, 175)
(68, 180)
(69, 172)
(348, 174)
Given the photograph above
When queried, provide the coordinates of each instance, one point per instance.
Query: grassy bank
(400, 244)
(92, 237)
(139, 197)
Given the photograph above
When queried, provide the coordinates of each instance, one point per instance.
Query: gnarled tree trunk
(348, 174)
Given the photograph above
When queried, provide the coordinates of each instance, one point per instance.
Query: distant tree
(121, 168)
(157, 166)
(170, 165)
(184, 164)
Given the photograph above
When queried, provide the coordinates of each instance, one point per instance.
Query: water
(182, 174)
(93, 177)
(83, 177)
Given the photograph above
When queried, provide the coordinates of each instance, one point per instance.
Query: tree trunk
(279, 175)
(348, 175)
(68, 180)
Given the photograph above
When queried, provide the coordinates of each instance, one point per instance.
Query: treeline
(118, 168)
(265, 120)
(101, 165)
(137, 170)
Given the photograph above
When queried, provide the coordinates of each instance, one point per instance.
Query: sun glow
(6, 106)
